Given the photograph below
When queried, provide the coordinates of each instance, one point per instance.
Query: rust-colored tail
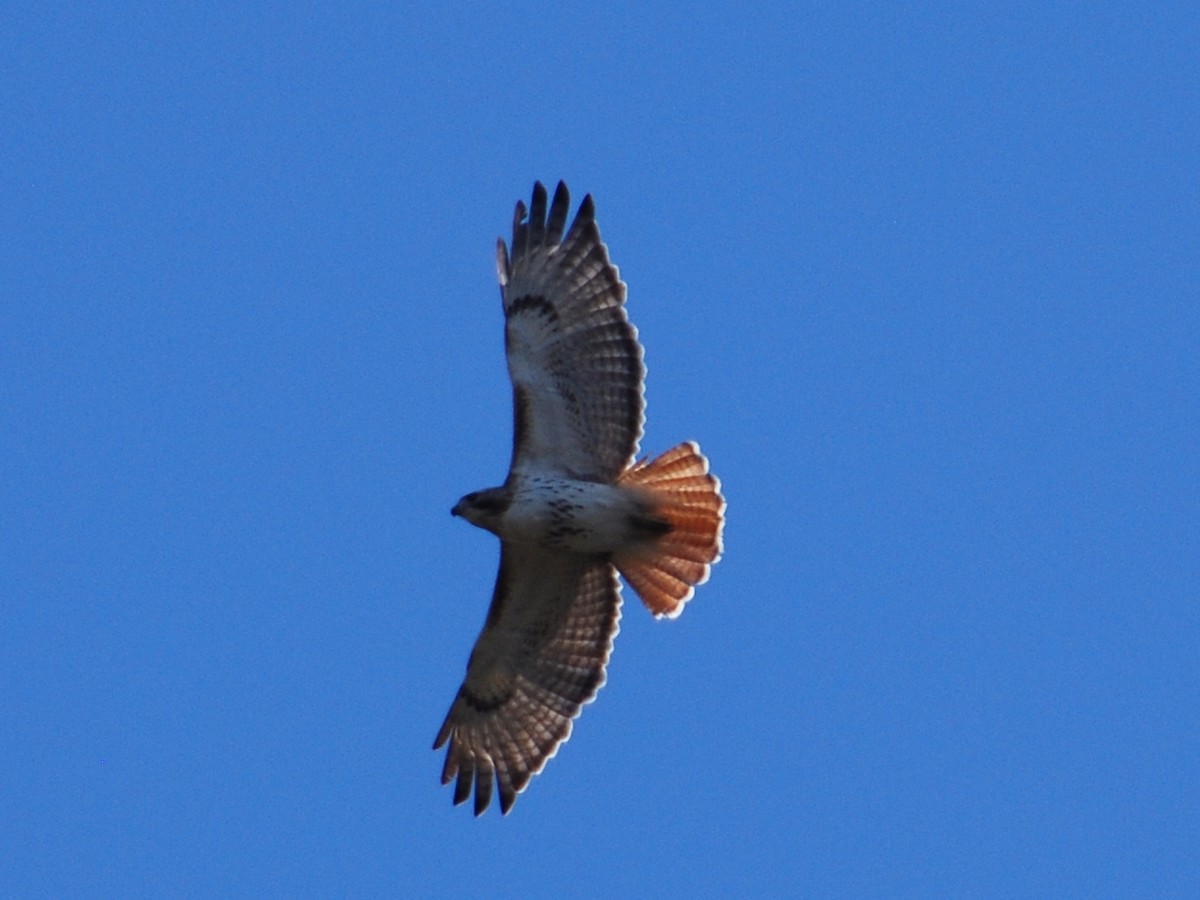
(684, 495)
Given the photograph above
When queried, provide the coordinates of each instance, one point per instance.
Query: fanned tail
(683, 494)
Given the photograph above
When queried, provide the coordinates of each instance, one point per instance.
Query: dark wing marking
(574, 358)
(540, 657)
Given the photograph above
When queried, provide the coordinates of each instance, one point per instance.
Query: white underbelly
(579, 516)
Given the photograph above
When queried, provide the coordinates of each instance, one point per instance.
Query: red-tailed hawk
(574, 511)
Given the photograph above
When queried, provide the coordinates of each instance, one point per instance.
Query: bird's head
(483, 508)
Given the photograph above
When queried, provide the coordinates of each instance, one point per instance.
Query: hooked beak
(457, 509)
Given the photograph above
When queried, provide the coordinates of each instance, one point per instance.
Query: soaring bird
(575, 509)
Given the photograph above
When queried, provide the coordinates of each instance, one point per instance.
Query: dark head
(483, 508)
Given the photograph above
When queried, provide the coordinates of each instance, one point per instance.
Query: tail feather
(680, 491)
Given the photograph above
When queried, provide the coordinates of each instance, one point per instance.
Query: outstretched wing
(574, 358)
(540, 657)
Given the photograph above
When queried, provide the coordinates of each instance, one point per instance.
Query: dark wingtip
(483, 792)
(520, 232)
(587, 210)
(462, 787)
(537, 215)
(507, 798)
(585, 219)
(560, 207)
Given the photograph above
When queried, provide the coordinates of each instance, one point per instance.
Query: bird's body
(568, 515)
(574, 510)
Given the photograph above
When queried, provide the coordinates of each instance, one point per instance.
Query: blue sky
(922, 281)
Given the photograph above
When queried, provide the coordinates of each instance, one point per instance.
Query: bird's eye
(486, 502)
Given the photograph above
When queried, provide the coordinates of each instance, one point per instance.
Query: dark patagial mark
(520, 418)
(485, 704)
(532, 303)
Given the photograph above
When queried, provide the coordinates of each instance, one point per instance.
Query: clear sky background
(922, 281)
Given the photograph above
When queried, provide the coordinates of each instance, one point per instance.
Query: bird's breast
(578, 516)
